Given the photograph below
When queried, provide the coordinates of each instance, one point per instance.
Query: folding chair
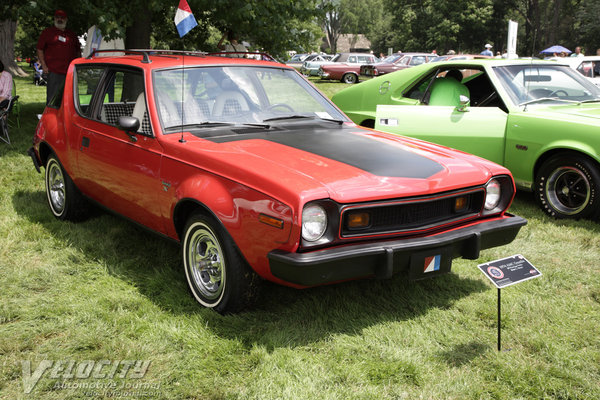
(4, 113)
(16, 107)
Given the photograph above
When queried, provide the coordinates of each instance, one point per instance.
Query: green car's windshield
(200, 97)
(532, 83)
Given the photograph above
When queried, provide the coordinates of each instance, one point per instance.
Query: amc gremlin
(259, 176)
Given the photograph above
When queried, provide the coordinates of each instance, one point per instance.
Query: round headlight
(314, 222)
(492, 194)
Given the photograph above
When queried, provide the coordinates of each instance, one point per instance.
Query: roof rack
(146, 53)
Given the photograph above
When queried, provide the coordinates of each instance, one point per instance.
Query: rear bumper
(386, 258)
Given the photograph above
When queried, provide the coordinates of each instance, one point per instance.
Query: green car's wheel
(566, 186)
(217, 275)
(349, 78)
(64, 199)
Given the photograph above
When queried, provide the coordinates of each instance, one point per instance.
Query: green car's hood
(582, 113)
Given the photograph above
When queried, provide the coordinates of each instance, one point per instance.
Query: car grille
(414, 215)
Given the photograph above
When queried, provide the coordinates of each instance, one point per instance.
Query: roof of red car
(154, 59)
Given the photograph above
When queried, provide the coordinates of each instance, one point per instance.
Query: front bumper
(386, 258)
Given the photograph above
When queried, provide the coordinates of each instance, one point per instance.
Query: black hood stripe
(340, 144)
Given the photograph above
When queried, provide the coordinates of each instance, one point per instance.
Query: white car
(588, 66)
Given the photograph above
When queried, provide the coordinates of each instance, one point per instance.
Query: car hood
(589, 112)
(346, 163)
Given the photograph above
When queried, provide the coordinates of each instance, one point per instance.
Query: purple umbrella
(556, 49)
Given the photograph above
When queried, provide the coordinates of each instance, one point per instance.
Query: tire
(349, 78)
(217, 275)
(64, 199)
(566, 186)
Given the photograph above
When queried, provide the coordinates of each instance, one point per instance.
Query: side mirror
(130, 125)
(464, 103)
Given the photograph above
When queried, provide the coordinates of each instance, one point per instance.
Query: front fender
(241, 211)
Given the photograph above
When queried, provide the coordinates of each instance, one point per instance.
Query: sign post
(506, 272)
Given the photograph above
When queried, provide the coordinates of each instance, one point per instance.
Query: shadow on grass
(283, 317)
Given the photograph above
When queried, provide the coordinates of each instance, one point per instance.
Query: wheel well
(44, 152)
(184, 209)
(368, 123)
(567, 152)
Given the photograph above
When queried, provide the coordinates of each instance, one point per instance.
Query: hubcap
(568, 190)
(56, 188)
(206, 264)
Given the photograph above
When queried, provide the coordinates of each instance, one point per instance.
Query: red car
(396, 62)
(346, 71)
(259, 176)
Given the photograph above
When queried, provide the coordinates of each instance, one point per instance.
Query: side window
(352, 59)
(87, 79)
(124, 95)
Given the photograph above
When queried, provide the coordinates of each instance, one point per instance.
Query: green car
(539, 119)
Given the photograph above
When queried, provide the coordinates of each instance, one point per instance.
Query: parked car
(588, 66)
(540, 119)
(311, 67)
(396, 62)
(258, 175)
(346, 67)
(297, 60)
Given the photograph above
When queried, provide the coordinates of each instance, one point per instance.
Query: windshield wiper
(299, 116)
(199, 125)
(589, 101)
(291, 116)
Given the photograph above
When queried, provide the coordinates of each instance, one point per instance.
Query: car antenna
(181, 139)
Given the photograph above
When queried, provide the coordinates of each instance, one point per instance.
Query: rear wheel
(566, 186)
(64, 199)
(349, 78)
(217, 275)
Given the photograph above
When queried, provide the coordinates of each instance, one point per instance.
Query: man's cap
(60, 13)
(488, 46)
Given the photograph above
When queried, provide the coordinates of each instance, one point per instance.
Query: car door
(118, 170)
(478, 130)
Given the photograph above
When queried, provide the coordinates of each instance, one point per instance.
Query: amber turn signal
(460, 204)
(358, 220)
(266, 219)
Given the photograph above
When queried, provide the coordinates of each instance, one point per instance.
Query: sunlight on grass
(105, 290)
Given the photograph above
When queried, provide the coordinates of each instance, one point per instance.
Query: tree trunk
(8, 29)
(137, 36)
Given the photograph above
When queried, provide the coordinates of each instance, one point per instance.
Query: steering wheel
(279, 105)
(556, 92)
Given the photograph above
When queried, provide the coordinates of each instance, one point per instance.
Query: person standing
(56, 48)
(233, 45)
(577, 52)
(487, 51)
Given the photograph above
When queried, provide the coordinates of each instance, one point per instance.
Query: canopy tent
(556, 49)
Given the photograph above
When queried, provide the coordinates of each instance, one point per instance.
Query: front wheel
(216, 273)
(566, 187)
(349, 78)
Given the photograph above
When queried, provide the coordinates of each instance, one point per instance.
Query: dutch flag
(184, 19)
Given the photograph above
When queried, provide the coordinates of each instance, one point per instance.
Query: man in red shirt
(56, 47)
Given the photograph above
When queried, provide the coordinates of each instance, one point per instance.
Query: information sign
(509, 271)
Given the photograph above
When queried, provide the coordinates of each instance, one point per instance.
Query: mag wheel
(216, 273)
(64, 199)
(349, 78)
(566, 187)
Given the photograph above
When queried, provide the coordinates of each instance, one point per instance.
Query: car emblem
(384, 87)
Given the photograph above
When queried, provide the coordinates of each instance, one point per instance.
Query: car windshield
(204, 96)
(535, 83)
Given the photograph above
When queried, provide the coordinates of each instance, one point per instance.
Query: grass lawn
(105, 290)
